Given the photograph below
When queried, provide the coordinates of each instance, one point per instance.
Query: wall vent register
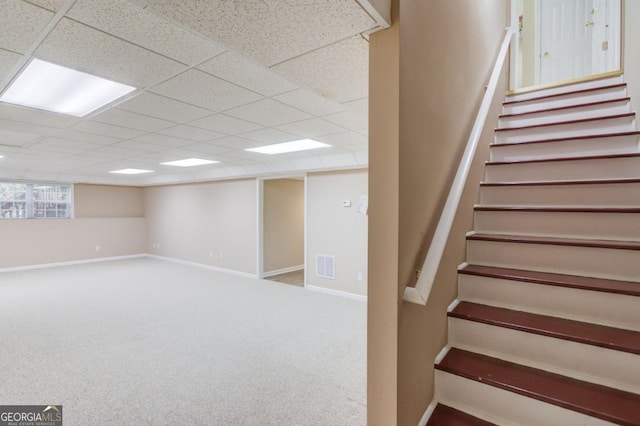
(325, 266)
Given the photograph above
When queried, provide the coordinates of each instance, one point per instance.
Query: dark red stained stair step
(560, 280)
(564, 108)
(559, 183)
(571, 242)
(561, 123)
(573, 92)
(444, 415)
(605, 403)
(559, 328)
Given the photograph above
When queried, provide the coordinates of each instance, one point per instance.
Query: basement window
(19, 200)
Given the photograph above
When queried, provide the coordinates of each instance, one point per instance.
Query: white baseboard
(282, 271)
(336, 292)
(69, 263)
(203, 266)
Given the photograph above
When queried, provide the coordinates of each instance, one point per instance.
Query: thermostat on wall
(346, 203)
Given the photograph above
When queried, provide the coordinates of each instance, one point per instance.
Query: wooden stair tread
(443, 415)
(562, 108)
(594, 400)
(561, 123)
(560, 280)
(486, 208)
(560, 182)
(556, 159)
(559, 328)
(574, 242)
(573, 92)
(570, 138)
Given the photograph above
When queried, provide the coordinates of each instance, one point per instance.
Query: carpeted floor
(147, 342)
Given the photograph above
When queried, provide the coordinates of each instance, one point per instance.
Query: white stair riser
(597, 168)
(595, 225)
(587, 128)
(556, 116)
(620, 370)
(565, 148)
(563, 101)
(610, 309)
(583, 261)
(593, 84)
(612, 194)
(484, 401)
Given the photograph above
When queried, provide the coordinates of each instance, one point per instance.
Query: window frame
(31, 200)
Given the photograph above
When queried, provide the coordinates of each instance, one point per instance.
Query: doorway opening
(282, 230)
(559, 41)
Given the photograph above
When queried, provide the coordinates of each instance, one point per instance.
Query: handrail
(420, 293)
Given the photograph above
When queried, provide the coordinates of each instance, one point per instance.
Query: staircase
(546, 327)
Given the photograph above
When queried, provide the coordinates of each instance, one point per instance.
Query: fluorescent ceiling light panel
(189, 162)
(53, 88)
(131, 171)
(282, 148)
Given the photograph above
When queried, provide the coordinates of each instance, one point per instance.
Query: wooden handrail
(420, 293)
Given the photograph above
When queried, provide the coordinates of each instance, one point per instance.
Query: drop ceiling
(213, 77)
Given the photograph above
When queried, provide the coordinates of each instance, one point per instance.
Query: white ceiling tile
(343, 139)
(89, 126)
(132, 120)
(269, 31)
(164, 108)
(243, 72)
(208, 148)
(82, 48)
(256, 169)
(114, 152)
(131, 22)
(235, 142)
(7, 62)
(53, 5)
(191, 133)
(362, 157)
(22, 127)
(338, 71)
(17, 138)
(339, 160)
(357, 147)
(62, 146)
(164, 140)
(34, 116)
(348, 119)
(361, 106)
(269, 113)
(310, 102)
(307, 163)
(21, 24)
(281, 166)
(269, 136)
(140, 146)
(206, 91)
(87, 137)
(312, 128)
(225, 124)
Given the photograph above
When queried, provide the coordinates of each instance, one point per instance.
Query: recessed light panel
(189, 162)
(54, 88)
(282, 148)
(131, 171)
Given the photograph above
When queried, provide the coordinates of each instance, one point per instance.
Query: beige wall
(447, 51)
(107, 201)
(106, 217)
(382, 297)
(336, 230)
(211, 223)
(283, 224)
(631, 55)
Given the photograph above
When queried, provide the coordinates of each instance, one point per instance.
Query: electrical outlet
(211, 253)
(360, 276)
(97, 248)
(221, 256)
